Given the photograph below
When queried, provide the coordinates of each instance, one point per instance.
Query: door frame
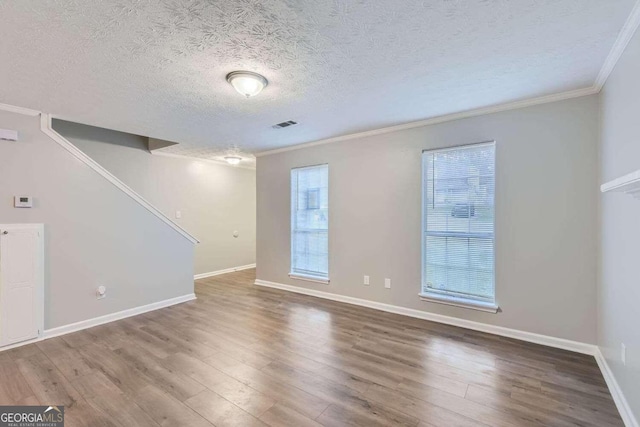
(39, 282)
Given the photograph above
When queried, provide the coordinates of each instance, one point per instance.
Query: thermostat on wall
(8, 135)
(22, 201)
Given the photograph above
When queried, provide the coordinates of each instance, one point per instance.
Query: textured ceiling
(157, 67)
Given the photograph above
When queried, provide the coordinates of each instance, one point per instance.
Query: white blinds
(458, 241)
(310, 221)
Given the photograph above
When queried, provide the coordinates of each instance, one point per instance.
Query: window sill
(306, 278)
(460, 302)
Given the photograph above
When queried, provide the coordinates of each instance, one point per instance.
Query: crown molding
(217, 162)
(19, 110)
(442, 119)
(624, 37)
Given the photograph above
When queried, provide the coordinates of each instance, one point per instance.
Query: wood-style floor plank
(166, 410)
(280, 415)
(242, 355)
(108, 399)
(299, 400)
(46, 381)
(13, 386)
(220, 412)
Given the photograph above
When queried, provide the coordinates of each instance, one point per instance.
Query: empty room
(319, 213)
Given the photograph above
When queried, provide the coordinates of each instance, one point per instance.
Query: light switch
(387, 283)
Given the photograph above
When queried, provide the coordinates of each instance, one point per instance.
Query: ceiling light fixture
(233, 160)
(247, 83)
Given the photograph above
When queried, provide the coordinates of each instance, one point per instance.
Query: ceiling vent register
(285, 124)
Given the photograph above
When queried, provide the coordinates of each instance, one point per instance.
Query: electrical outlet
(387, 283)
(178, 214)
(623, 353)
(366, 280)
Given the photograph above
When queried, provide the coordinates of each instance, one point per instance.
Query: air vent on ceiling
(285, 124)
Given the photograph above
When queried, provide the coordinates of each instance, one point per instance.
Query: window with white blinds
(458, 228)
(310, 222)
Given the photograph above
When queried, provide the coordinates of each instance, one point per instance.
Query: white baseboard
(89, 323)
(85, 324)
(616, 393)
(549, 341)
(225, 271)
(578, 347)
(21, 343)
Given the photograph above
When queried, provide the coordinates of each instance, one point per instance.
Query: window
(310, 223)
(458, 226)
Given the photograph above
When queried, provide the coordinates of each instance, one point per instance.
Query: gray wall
(94, 233)
(215, 200)
(546, 214)
(619, 286)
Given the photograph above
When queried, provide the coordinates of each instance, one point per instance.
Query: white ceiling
(157, 67)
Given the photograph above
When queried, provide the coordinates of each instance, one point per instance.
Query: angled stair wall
(98, 231)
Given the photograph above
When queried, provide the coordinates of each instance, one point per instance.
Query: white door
(21, 282)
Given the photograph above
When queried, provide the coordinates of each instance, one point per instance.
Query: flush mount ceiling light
(233, 160)
(247, 83)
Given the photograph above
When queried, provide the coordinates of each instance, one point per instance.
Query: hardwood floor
(242, 355)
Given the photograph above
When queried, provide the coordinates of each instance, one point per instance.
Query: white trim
(309, 278)
(460, 302)
(294, 230)
(441, 119)
(624, 37)
(460, 147)
(223, 271)
(444, 297)
(19, 110)
(89, 323)
(21, 343)
(47, 129)
(616, 392)
(96, 321)
(157, 152)
(629, 183)
(39, 281)
(45, 125)
(549, 341)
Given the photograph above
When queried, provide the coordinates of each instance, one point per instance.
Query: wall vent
(284, 124)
